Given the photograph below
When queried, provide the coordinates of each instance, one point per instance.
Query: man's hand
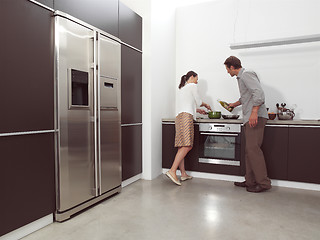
(235, 104)
(253, 120)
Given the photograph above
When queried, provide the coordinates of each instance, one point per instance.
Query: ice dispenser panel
(79, 88)
(108, 92)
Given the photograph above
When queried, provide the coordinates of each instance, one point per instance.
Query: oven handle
(219, 161)
(221, 134)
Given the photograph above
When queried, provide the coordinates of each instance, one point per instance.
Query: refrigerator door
(109, 111)
(75, 115)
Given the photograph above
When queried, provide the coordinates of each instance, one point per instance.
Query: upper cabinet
(101, 14)
(130, 26)
(131, 85)
(27, 60)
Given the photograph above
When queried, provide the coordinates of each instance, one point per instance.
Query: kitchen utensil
(272, 116)
(214, 115)
(234, 116)
(287, 115)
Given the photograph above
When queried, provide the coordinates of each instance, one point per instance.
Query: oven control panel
(217, 127)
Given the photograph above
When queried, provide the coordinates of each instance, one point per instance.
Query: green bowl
(214, 115)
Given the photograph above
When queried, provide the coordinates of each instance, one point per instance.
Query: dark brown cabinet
(131, 111)
(26, 179)
(100, 14)
(275, 150)
(27, 104)
(131, 151)
(304, 154)
(169, 151)
(291, 153)
(131, 85)
(130, 26)
(27, 67)
(130, 32)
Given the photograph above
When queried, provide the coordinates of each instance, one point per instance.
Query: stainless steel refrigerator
(88, 115)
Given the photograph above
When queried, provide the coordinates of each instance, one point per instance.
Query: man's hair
(233, 61)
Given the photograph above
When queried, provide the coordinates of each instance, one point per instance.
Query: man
(255, 116)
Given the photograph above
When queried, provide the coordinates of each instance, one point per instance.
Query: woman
(187, 101)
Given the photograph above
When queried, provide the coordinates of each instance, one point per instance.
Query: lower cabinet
(275, 150)
(291, 153)
(131, 151)
(169, 151)
(304, 154)
(27, 179)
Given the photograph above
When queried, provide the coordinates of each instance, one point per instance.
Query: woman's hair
(186, 77)
(233, 61)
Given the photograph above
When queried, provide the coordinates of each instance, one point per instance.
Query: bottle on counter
(225, 105)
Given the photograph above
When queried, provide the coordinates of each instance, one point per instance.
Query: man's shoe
(240, 184)
(257, 188)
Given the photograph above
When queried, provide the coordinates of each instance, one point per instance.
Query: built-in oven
(220, 148)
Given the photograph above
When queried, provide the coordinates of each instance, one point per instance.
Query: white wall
(288, 73)
(158, 80)
(198, 36)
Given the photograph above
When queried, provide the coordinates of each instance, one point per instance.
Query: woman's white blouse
(188, 99)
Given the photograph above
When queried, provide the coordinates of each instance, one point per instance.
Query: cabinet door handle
(304, 126)
(220, 134)
(267, 125)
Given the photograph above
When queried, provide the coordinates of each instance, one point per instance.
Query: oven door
(220, 148)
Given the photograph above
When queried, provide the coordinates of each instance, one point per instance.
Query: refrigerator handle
(96, 115)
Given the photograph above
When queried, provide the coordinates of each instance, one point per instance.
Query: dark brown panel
(131, 86)
(98, 13)
(26, 86)
(168, 149)
(275, 150)
(130, 26)
(26, 179)
(131, 151)
(304, 154)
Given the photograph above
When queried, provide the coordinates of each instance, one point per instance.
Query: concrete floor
(199, 209)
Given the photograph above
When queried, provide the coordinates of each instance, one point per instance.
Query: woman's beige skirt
(184, 130)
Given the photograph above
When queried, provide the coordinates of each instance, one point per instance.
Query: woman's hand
(207, 106)
(201, 111)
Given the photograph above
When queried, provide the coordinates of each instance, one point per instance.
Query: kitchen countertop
(240, 121)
